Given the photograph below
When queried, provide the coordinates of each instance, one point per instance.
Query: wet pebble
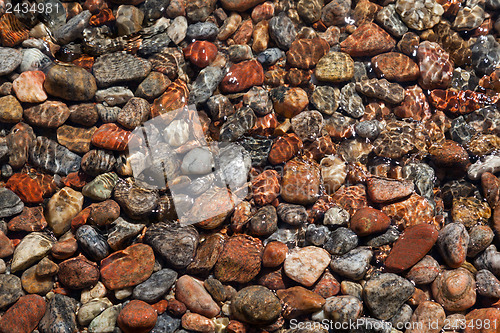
(340, 241)
(354, 264)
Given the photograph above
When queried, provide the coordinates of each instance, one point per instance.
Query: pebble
(73, 29)
(415, 242)
(62, 208)
(353, 264)
(305, 53)
(128, 267)
(487, 284)
(206, 255)
(192, 293)
(367, 221)
(255, 305)
(480, 315)
(343, 309)
(10, 290)
(389, 19)
(485, 54)
(122, 232)
(480, 237)
(382, 89)
(201, 53)
(60, 315)
(30, 219)
(11, 109)
(282, 31)
(340, 241)
(101, 187)
(46, 267)
(202, 30)
(336, 216)
(335, 67)
(292, 214)
(128, 19)
(114, 96)
(384, 294)
(152, 86)
(197, 323)
(10, 204)
(10, 59)
(91, 310)
(367, 40)
(34, 284)
(106, 321)
(301, 181)
(351, 102)
(134, 113)
(270, 56)
(28, 87)
(50, 114)
(176, 244)
(455, 289)
(166, 323)
(155, 286)
(205, 84)
(274, 254)
(24, 315)
(78, 273)
(137, 317)
(92, 242)
(452, 243)
(333, 172)
(264, 222)
(395, 67)
(423, 14)
(430, 315)
(70, 82)
(118, 67)
(385, 190)
(436, 69)
(238, 78)
(288, 102)
(299, 301)
(325, 99)
(489, 259)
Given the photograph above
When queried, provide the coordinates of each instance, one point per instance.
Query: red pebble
(201, 53)
(111, 136)
(460, 102)
(284, 148)
(103, 17)
(242, 76)
(24, 315)
(137, 317)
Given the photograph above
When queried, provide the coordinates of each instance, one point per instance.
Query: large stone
(24, 315)
(256, 305)
(305, 265)
(70, 82)
(62, 208)
(32, 248)
(60, 315)
(119, 67)
(192, 293)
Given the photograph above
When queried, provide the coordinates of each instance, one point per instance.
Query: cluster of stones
(365, 135)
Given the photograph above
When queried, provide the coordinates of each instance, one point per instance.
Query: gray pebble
(202, 31)
(92, 243)
(282, 31)
(316, 234)
(157, 285)
(73, 29)
(354, 264)
(490, 260)
(10, 203)
(292, 214)
(270, 56)
(487, 284)
(388, 237)
(336, 216)
(10, 59)
(205, 84)
(166, 324)
(369, 129)
(341, 241)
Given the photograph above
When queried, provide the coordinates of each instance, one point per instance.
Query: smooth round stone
(34, 284)
(326, 99)
(10, 59)
(235, 163)
(382, 190)
(336, 216)
(155, 286)
(480, 237)
(402, 317)
(202, 30)
(92, 309)
(430, 315)
(489, 259)
(305, 265)
(367, 221)
(369, 129)
(384, 294)
(307, 125)
(113, 68)
(292, 214)
(198, 161)
(10, 290)
(425, 271)
(282, 31)
(166, 323)
(152, 86)
(32, 248)
(24, 315)
(299, 300)
(48, 114)
(264, 222)
(255, 305)
(197, 323)
(340, 241)
(106, 321)
(128, 267)
(70, 82)
(316, 235)
(343, 309)
(354, 264)
(481, 316)
(452, 243)
(411, 247)
(301, 181)
(270, 56)
(274, 254)
(237, 124)
(487, 284)
(92, 242)
(205, 84)
(137, 317)
(29, 87)
(11, 110)
(176, 133)
(134, 113)
(10, 203)
(192, 293)
(455, 290)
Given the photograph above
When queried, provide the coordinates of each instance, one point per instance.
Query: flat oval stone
(29, 87)
(335, 67)
(53, 157)
(98, 161)
(137, 317)
(368, 221)
(24, 315)
(92, 242)
(395, 67)
(134, 113)
(240, 259)
(111, 136)
(411, 246)
(10, 59)
(354, 264)
(452, 243)
(382, 190)
(11, 110)
(78, 273)
(76, 139)
(113, 68)
(156, 286)
(192, 293)
(301, 181)
(127, 268)
(19, 142)
(50, 114)
(70, 82)
(240, 5)
(135, 201)
(101, 187)
(84, 114)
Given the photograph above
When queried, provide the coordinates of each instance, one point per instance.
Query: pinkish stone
(29, 87)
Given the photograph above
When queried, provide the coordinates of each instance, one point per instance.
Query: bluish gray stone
(202, 31)
(92, 243)
(157, 285)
